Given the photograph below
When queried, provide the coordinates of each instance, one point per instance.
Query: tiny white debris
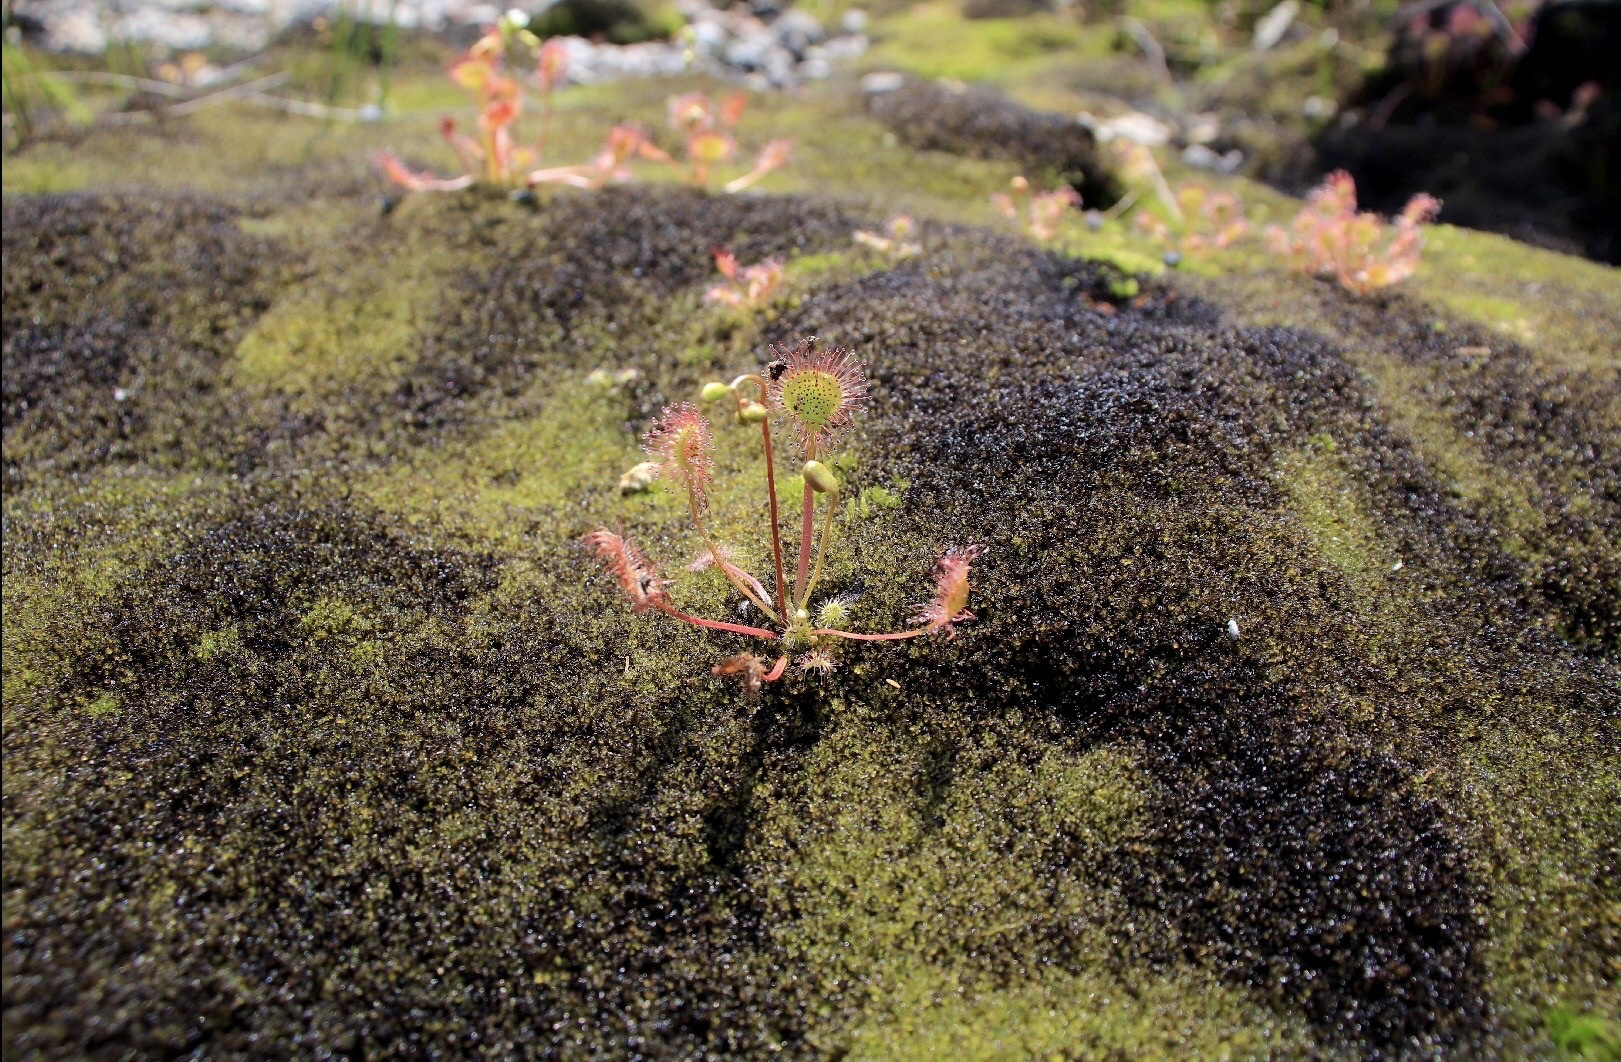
(1135, 127)
(638, 478)
(1317, 107)
(1232, 629)
(892, 682)
(120, 395)
(1271, 27)
(1397, 566)
(880, 81)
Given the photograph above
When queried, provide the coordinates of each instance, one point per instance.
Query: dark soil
(1508, 143)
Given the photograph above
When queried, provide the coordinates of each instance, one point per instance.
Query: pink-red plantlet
(814, 392)
(498, 155)
(1208, 220)
(750, 287)
(1044, 211)
(1330, 238)
(950, 602)
(897, 241)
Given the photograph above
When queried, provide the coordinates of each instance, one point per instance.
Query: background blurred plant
(146, 85)
(1460, 51)
(1329, 238)
(1043, 211)
(706, 128)
(1209, 220)
(897, 240)
(31, 90)
(498, 158)
(813, 394)
(747, 288)
(357, 45)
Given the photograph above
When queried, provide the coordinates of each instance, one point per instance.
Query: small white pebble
(120, 395)
(1232, 629)
(1396, 567)
(638, 478)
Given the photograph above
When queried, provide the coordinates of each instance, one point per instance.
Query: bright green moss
(1548, 802)
(1563, 308)
(838, 148)
(872, 501)
(1455, 457)
(492, 487)
(928, 40)
(215, 644)
(1182, 1012)
(923, 903)
(332, 617)
(1326, 498)
(1584, 1035)
(104, 705)
(89, 539)
(347, 325)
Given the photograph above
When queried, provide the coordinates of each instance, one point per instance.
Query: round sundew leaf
(813, 397)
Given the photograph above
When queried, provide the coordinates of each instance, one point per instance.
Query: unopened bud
(820, 478)
(714, 391)
(751, 413)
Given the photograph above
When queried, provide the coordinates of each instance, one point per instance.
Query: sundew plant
(812, 393)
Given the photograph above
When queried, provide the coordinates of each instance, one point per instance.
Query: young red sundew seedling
(1330, 238)
(813, 394)
(895, 242)
(1044, 210)
(706, 128)
(747, 288)
(495, 156)
(1210, 220)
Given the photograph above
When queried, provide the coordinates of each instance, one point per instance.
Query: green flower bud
(751, 413)
(820, 478)
(714, 391)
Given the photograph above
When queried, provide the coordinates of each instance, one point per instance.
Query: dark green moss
(119, 314)
(982, 123)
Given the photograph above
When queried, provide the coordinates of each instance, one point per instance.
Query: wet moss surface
(1287, 725)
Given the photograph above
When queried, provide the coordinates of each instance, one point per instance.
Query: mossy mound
(982, 123)
(1287, 724)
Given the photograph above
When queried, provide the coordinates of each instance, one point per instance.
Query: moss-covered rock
(1286, 727)
(981, 123)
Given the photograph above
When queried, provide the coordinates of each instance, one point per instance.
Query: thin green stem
(770, 487)
(821, 549)
(807, 526)
(725, 567)
(776, 531)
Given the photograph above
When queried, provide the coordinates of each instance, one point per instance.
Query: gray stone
(797, 30)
